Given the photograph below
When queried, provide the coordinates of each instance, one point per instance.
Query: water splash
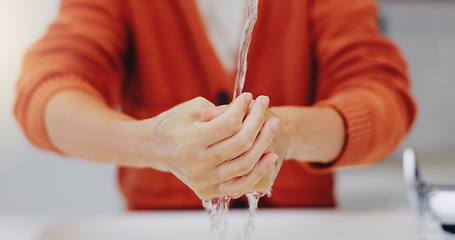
(253, 200)
(218, 210)
(251, 17)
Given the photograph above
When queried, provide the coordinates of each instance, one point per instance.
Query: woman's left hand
(278, 146)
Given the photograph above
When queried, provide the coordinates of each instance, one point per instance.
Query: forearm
(80, 125)
(313, 134)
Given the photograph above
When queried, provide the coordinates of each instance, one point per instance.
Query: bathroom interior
(45, 196)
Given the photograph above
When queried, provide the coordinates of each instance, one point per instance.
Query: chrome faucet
(436, 202)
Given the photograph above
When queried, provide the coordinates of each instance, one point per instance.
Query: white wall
(425, 33)
(32, 181)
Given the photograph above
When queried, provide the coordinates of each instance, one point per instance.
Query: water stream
(253, 200)
(218, 209)
(251, 17)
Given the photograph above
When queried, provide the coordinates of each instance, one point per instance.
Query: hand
(277, 146)
(221, 157)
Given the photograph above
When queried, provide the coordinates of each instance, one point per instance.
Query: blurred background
(36, 182)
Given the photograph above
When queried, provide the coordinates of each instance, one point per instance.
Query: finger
(242, 141)
(245, 184)
(244, 164)
(228, 123)
(267, 180)
(209, 114)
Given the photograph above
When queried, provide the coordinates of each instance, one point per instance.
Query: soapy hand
(221, 157)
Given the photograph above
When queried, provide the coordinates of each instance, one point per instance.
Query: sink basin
(286, 224)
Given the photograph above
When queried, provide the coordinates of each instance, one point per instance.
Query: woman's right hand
(220, 157)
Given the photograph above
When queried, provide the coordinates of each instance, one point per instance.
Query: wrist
(314, 134)
(143, 148)
(127, 142)
(329, 135)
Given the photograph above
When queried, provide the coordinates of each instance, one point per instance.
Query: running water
(253, 200)
(218, 209)
(251, 17)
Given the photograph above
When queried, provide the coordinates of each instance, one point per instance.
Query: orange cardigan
(146, 56)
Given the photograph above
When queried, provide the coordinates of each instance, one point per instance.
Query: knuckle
(234, 126)
(239, 147)
(261, 118)
(225, 176)
(237, 126)
(246, 167)
(244, 143)
(249, 141)
(199, 99)
(219, 156)
(258, 112)
(203, 102)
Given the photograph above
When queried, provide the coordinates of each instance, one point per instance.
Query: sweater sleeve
(364, 77)
(83, 49)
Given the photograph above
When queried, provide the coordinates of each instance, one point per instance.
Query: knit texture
(147, 56)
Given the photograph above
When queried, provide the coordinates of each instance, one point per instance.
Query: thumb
(209, 114)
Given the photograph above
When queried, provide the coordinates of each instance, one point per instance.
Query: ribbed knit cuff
(358, 124)
(34, 122)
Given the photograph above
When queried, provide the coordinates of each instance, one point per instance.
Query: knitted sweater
(146, 56)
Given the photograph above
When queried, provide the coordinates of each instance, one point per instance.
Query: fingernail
(274, 160)
(265, 101)
(248, 97)
(275, 122)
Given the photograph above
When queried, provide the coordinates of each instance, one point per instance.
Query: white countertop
(289, 224)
